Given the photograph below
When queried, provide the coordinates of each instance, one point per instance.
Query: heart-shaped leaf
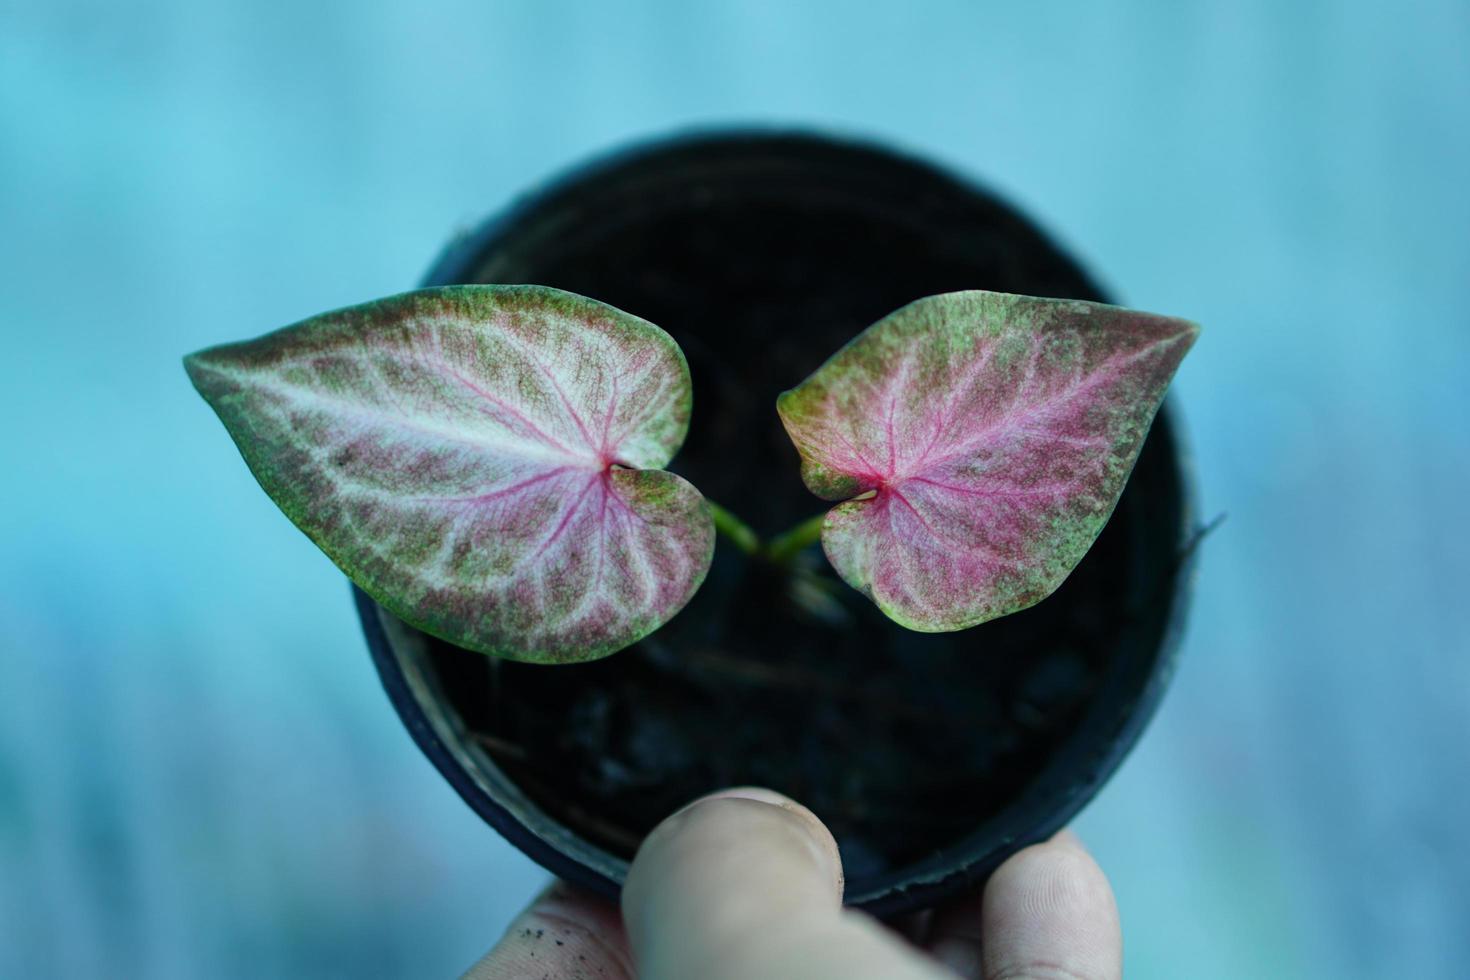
(979, 441)
(482, 460)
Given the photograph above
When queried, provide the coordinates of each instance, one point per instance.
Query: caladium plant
(487, 461)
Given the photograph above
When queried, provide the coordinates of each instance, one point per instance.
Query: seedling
(487, 461)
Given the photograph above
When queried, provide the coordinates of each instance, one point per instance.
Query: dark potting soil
(902, 742)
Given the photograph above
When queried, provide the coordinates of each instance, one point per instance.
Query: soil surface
(902, 742)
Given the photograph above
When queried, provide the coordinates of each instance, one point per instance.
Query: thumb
(748, 884)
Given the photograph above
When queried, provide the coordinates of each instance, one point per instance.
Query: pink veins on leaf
(1007, 426)
(472, 457)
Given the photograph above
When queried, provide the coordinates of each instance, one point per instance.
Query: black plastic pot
(933, 757)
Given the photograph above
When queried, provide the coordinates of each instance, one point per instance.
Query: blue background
(198, 773)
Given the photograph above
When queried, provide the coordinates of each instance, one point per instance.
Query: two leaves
(485, 461)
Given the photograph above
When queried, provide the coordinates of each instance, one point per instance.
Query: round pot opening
(931, 756)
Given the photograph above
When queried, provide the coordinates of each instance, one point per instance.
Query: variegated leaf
(482, 460)
(980, 441)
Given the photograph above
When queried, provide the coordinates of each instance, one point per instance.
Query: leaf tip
(783, 402)
(1186, 330)
(193, 362)
(202, 368)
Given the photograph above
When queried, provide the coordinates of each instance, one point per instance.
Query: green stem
(733, 528)
(779, 550)
(787, 546)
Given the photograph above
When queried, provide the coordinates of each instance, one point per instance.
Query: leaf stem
(785, 547)
(737, 531)
(780, 550)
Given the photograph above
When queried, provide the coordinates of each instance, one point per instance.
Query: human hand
(747, 885)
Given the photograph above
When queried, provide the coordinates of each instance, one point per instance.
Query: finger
(564, 933)
(1046, 912)
(748, 884)
(954, 936)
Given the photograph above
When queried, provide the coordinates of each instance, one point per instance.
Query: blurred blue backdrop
(198, 773)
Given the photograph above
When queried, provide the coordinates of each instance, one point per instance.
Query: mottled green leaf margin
(980, 441)
(482, 460)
